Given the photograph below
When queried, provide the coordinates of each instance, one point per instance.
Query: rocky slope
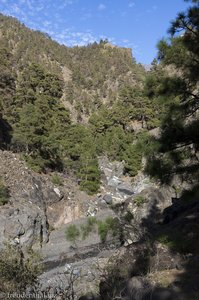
(38, 214)
(35, 204)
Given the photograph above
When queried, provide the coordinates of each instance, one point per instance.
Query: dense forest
(62, 108)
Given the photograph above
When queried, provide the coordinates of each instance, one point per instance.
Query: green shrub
(128, 217)
(139, 200)
(177, 189)
(18, 271)
(103, 227)
(72, 233)
(110, 225)
(102, 231)
(89, 175)
(133, 159)
(177, 242)
(36, 164)
(88, 227)
(56, 180)
(113, 225)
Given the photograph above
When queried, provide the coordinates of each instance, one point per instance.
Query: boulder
(125, 189)
(54, 195)
(108, 199)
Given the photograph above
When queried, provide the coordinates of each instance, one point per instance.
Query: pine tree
(179, 141)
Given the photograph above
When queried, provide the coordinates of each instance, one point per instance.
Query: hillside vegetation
(62, 108)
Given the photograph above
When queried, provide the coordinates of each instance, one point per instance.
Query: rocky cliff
(38, 214)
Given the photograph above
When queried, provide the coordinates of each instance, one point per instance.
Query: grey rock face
(53, 195)
(141, 182)
(29, 226)
(108, 199)
(23, 219)
(114, 181)
(125, 189)
(145, 210)
(63, 259)
(111, 169)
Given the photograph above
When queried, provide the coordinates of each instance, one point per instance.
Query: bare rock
(125, 189)
(108, 198)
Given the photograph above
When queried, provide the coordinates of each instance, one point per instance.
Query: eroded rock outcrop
(24, 219)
